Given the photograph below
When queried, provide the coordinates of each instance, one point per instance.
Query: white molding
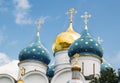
(7, 76)
(36, 73)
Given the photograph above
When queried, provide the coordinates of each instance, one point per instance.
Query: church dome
(105, 65)
(35, 51)
(65, 39)
(86, 44)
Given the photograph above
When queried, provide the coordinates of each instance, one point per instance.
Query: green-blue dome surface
(105, 65)
(35, 51)
(86, 44)
(50, 71)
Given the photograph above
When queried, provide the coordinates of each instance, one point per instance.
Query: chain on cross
(86, 16)
(71, 12)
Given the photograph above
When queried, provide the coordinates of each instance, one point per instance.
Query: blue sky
(17, 28)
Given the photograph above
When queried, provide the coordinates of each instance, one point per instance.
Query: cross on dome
(86, 16)
(100, 40)
(71, 12)
(39, 22)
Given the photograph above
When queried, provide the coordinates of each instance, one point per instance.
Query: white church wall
(6, 79)
(33, 65)
(75, 81)
(89, 65)
(62, 77)
(61, 60)
(35, 77)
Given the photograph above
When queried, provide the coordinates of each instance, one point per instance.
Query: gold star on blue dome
(43, 51)
(76, 44)
(86, 43)
(96, 44)
(33, 49)
(91, 40)
(81, 39)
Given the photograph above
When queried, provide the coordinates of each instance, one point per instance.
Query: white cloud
(10, 69)
(4, 59)
(22, 8)
(8, 66)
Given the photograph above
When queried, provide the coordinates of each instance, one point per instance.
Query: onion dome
(50, 71)
(76, 67)
(65, 39)
(105, 65)
(86, 44)
(35, 51)
(20, 81)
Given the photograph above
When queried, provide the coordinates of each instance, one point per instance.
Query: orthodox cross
(100, 40)
(86, 16)
(71, 12)
(39, 22)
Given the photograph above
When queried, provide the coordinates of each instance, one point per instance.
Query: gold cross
(100, 40)
(86, 16)
(71, 12)
(39, 22)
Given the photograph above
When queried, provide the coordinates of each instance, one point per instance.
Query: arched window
(93, 68)
(83, 68)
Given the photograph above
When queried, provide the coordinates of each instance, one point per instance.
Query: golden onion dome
(76, 67)
(65, 39)
(20, 81)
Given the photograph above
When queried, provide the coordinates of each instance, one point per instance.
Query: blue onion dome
(50, 71)
(105, 65)
(35, 51)
(86, 44)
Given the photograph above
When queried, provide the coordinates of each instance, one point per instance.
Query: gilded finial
(76, 56)
(100, 40)
(86, 16)
(39, 22)
(71, 12)
(76, 65)
(22, 72)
